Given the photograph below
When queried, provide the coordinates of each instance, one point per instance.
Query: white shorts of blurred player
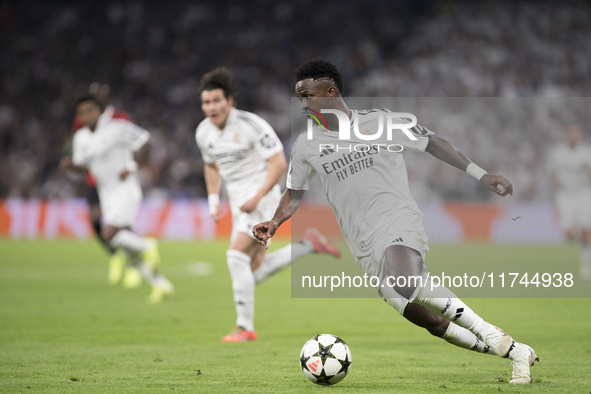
(406, 231)
(574, 209)
(120, 206)
(243, 222)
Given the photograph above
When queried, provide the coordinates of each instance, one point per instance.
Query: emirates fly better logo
(392, 121)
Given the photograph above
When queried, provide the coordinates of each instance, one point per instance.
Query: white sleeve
(199, 138)
(131, 136)
(265, 140)
(79, 156)
(300, 172)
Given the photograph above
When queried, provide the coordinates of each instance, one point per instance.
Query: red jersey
(77, 125)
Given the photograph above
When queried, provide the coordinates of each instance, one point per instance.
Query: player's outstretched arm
(289, 203)
(213, 183)
(444, 151)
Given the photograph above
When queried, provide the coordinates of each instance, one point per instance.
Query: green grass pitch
(64, 329)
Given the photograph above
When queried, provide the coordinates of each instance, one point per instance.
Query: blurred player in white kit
(108, 149)
(569, 166)
(117, 262)
(242, 149)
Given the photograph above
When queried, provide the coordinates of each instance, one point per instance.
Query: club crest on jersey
(236, 138)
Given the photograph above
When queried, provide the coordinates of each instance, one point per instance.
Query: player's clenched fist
(492, 183)
(264, 231)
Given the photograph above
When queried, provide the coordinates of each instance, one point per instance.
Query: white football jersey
(107, 150)
(567, 165)
(240, 151)
(367, 191)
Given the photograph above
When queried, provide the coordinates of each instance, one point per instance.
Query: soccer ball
(325, 359)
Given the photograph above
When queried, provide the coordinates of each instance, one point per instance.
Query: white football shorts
(574, 209)
(407, 231)
(120, 205)
(244, 222)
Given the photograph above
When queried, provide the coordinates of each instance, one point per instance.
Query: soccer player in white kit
(569, 166)
(105, 147)
(242, 149)
(380, 220)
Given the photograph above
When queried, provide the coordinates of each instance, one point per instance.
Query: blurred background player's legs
(250, 264)
(116, 260)
(120, 207)
(574, 209)
(142, 254)
(265, 264)
(581, 237)
(95, 216)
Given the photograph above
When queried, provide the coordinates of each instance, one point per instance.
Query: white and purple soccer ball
(325, 359)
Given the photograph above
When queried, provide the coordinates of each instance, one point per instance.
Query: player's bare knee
(108, 232)
(438, 330)
(425, 318)
(257, 258)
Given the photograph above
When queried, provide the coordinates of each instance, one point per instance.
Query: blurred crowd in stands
(534, 55)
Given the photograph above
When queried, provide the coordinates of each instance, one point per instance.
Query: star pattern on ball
(324, 352)
(345, 364)
(323, 379)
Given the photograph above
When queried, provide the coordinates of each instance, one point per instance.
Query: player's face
(216, 106)
(89, 113)
(313, 93)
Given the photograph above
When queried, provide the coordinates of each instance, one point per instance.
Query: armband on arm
(214, 203)
(475, 171)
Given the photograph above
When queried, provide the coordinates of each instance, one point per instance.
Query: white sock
(130, 240)
(463, 338)
(243, 286)
(444, 303)
(136, 260)
(147, 273)
(279, 259)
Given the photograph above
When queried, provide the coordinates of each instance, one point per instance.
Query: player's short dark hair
(219, 78)
(88, 97)
(320, 68)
